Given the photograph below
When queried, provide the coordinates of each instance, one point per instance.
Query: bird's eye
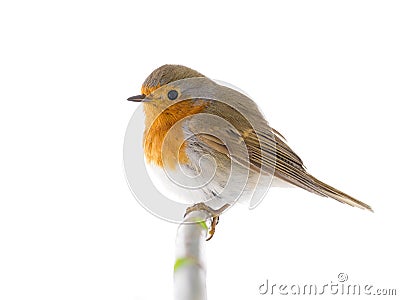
(172, 95)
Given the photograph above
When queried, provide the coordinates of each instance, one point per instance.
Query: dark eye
(172, 95)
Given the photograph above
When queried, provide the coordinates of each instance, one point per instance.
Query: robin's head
(172, 92)
(162, 76)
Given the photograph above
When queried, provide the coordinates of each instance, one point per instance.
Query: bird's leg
(214, 223)
(215, 213)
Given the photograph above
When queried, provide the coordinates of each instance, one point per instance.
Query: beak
(138, 98)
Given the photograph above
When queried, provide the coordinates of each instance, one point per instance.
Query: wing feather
(265, 148)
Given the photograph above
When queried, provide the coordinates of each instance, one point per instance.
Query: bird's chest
(183, 183)
(164, 146)
(164, 139)
(202, 175)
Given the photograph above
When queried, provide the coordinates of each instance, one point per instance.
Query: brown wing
(266, 148)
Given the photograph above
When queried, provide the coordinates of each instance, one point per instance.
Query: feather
(265, 148)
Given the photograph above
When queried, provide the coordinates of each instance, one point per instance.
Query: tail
(329, 191)
(313, 185)
(289, 167)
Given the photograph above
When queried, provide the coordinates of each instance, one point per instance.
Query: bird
(208, 144)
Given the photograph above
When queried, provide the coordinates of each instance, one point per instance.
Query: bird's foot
(215, 213)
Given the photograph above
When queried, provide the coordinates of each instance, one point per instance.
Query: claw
(213, 226)
(213, 212)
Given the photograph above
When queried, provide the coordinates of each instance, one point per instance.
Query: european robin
(208, 144)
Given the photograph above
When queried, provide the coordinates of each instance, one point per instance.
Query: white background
(325, 73)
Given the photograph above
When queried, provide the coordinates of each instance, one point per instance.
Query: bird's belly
(170, 183)
(214, 179)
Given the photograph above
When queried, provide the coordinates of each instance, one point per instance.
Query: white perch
(190, 266)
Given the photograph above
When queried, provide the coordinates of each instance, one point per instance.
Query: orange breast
(164, 143)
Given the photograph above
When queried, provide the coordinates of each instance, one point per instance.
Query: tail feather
(334, 193)
(316, 186)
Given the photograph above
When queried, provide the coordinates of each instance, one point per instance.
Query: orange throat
(164, 141)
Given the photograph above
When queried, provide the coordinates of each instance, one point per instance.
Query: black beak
(138, 98)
